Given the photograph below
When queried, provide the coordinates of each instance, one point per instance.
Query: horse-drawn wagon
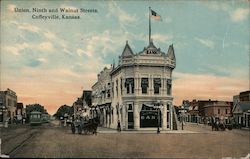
(87, 126)
(219, 124)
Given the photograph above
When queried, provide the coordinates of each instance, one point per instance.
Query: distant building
(83, 104)
(200, 109)
(86, 97)
(244, 96)
(220, 109)
(196, 110)
(185, 104)
(20, 111)
(138, 91)
(241, 109)
(78, 105)
(193, 111)
(8, 105)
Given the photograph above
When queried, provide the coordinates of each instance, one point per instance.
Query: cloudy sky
(51, 61)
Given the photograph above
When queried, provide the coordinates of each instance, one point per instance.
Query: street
(51, 140)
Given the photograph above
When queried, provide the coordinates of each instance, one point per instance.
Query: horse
(91, 126)
(214, 124)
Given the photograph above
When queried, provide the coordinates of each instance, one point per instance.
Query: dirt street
(54, 141)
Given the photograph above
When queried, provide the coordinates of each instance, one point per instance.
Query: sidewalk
(103, 130)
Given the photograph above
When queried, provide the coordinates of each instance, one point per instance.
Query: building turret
(170, 53)
(127, 52)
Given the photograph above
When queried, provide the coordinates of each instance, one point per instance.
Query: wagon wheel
(89, 131)
(85, 131)
(79, 130)
(73, 129)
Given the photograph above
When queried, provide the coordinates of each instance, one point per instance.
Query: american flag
(155, 16)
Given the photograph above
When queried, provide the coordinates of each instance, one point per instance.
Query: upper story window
(169, 85)
(116, 88)
(130, 107)
(121, 86)
(108, 93)
(218, 111)
(157, 85)
(144, 85)
(226, 111)
(113, 89)
(1, 100)
(9, 102)
(129, 84)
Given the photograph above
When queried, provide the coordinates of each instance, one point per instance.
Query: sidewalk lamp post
(158, 106)
(183, 111)
(181, 119)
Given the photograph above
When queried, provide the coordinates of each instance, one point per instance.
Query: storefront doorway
(130, 117)
(149, 117)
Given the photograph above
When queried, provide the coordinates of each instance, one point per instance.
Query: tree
(64, 109)
(34, 107)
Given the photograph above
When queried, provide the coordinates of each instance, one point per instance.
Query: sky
(51, 61)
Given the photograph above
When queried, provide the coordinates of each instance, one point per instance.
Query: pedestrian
(118, 126)
(24, 120)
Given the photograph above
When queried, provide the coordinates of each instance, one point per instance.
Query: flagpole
(149, 37)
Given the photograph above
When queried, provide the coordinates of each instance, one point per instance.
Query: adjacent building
(241, 109)
(138, 91)
(8, 105)
(101, 97)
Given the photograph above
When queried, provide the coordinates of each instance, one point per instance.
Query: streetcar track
(19, 146)
(24, 136)
(8, 137)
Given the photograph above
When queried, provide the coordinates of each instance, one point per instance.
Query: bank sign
(149, 119)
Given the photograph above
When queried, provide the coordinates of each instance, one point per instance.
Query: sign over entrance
(149, 117)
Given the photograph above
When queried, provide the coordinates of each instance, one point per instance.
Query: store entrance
(149, 117)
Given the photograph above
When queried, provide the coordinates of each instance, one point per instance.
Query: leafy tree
(64, 109)
(34, 107)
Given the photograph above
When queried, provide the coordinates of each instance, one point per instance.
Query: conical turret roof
(127, 51)
(170, 53)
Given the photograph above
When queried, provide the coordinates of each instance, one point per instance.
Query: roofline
(132, 65)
